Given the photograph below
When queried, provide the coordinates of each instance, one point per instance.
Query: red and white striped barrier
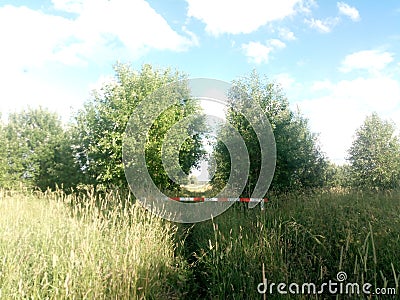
(202, 199)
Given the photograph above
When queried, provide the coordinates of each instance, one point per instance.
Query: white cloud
(349, 11)
(73, 6)
(285, 80)
(378, 93)
(101, 27)
(286, 34)
(100, 32)
(371, 60)
(239, 16)
(324, 26)
(321, 85)
(275, 43)
(259, 53)
(29, 38)
(343, 107)
(20, 89)
(133, 23)
(193, 37)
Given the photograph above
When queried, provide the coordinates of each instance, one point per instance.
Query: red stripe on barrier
(222, 199)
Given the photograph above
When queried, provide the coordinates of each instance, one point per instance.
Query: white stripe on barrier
(203, 199)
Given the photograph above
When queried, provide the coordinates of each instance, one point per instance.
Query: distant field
(54, 246)
(198, 188)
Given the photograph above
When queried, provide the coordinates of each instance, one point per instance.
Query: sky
(337, 61)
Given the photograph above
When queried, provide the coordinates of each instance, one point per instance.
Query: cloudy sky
(337, 61)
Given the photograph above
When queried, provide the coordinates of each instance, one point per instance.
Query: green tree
(337, 175)
(58, 165)
(100, 126)
(3, 156)
(300, 163)
(375, 155)
(37, 152)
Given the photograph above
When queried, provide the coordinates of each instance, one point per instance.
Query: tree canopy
(375, 155)
(37, 152)
(299, 161)
(101, 125)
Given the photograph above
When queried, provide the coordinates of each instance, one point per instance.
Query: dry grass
(49, 251)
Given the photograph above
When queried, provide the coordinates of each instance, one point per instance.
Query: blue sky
(337, 61)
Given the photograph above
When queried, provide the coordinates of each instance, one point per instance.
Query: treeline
(373, 158)
(38, 151)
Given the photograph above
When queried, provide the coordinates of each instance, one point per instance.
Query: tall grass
(49, 251)
(57, 246)
(300, 238)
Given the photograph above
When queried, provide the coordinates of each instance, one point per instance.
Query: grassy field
(54, 246)
(97, 250)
